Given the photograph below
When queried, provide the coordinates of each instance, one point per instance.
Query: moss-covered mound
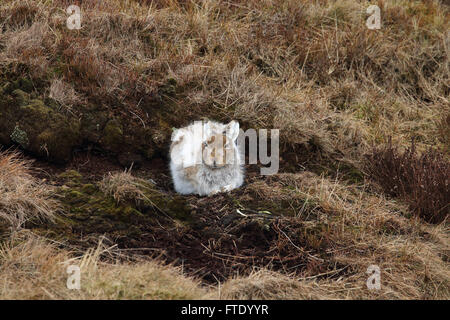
(88, 210)
(39, 126)
(34, 125)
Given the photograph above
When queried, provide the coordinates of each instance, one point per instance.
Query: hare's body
(204, 158)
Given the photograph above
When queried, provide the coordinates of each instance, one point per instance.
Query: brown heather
(423, 180)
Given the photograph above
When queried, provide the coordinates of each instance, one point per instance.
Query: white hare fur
(205, 158)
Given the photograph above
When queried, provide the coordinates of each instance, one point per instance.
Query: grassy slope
(312, 69)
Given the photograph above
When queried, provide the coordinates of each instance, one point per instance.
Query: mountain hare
(205, 159)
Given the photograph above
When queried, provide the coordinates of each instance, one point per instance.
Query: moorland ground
(94, 109)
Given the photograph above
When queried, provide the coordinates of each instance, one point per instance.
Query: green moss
(93, 123)
(24, 84)
(75, 197)
(89, 189)
(53, 104)
(129, 211)
(71, 176)
(37, 127)
(176, 206)
(51, 134)
(89, 210)
(22, 97)
(113, 136)
(7, 88)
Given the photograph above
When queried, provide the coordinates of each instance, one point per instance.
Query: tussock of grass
(23, 197)
(123, 186)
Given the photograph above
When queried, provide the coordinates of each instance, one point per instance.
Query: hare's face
(218, 151)
(219, 148)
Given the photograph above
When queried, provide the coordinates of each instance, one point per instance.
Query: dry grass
(23, 197)
(63, 93)
(354, 228)
(311, 69)
(123, 186)
(33, 268)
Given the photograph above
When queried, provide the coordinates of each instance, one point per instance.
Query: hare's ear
(177, 135)
(232, 130)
